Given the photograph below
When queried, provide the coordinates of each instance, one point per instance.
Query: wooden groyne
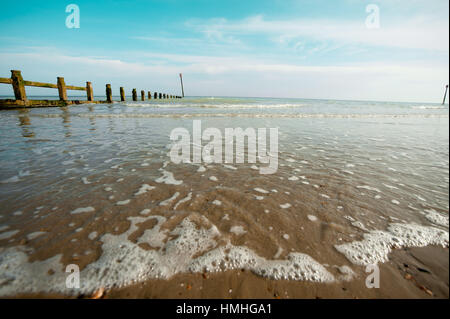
(21, 100)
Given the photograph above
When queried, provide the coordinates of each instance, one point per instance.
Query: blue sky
(278, 48)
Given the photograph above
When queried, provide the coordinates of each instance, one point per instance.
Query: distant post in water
(142, 95)
(89, 91)
(62, 89)
(149, 95)
(182, 88)
(108, 93)
(445, 94)
(122, 94)
(155, 95)
(160, 95)
(134, 95)
(18, 85)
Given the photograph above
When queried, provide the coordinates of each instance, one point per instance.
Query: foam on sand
(35, 234)
(376, 245)
(8, 234)
(436, 218)
(238, 230)
(169, 200)
(369, 188)
(123, 202)
(168, 178)
(188, 248)
(80, 210)
(183, 200)
(260, 190)
(144, 189)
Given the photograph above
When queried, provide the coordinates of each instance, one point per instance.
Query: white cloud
(412, 33)
(228, 76)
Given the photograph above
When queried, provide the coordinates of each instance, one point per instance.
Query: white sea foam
(436, 218)
(183, 200)
(124, 262)
(168, 178)
(370, 188)
(201, 169)
(35, 234)
(237, 230)
(376, 245)
(144, 189)
(169, 200)
(93, 235)
(285, 206)
(312, 218)
(123, 202)
(8, 234)
(260, 190)
(80, 210)
(217, 202)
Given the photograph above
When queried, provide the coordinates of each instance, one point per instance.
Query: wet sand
(347, 192)
(410, 273)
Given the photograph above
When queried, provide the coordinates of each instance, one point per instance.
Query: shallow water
(93, 185)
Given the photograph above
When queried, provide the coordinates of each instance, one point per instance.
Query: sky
(320, 49)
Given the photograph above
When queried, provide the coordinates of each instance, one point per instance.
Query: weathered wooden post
(155, 95)
(149, 95)
(89, 91)
(142, 95)
(122, 94)
(62, 89)
(182, 87)
(160, 95)
(445, 94)
(108, 93)
(134, 95)
(18, 86)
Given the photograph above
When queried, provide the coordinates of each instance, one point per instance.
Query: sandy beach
(350, 190)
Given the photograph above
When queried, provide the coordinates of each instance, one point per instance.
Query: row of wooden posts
(18, 84)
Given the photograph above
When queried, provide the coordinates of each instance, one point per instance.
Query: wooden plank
(5, 80)
(40, 84)
(8, 103)
(75, 88)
